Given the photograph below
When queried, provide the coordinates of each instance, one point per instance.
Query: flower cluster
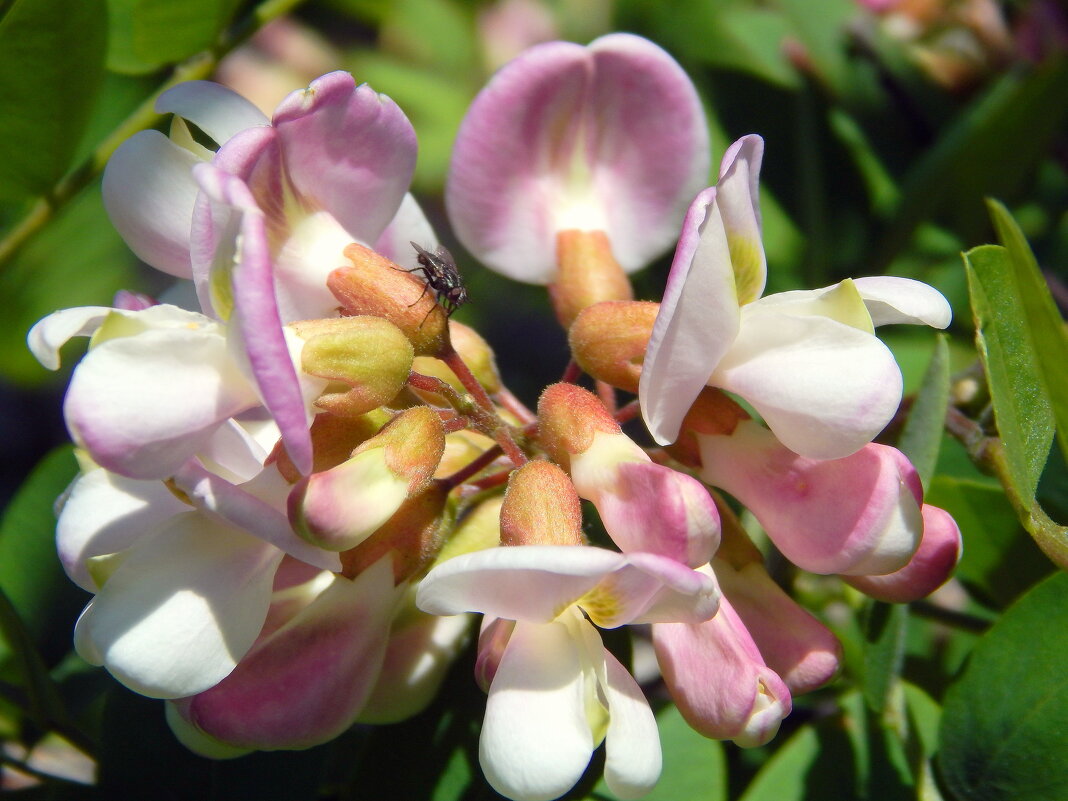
(293, 496)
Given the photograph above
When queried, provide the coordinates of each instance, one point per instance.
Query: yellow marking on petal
(844, 304)
(102, 567)
(601, 604)
(747, 261)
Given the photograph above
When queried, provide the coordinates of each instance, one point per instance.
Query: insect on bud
(376, 286)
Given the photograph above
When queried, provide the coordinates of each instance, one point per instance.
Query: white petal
(105, 513)
(149, 191)
(902, 300)
(184, 607)
(535, 741)
(408, 225)
(532, 582)
(825, 389)
(217, 111)
(632, 746)
(697, 322)
(52, 333)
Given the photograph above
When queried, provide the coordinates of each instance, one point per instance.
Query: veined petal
(536, 740)
(737, 198)
(256, 316)
(141, 405)
(348, 150)
(529, 582)
(903, 300)
(104, 513)
(632, 745)
(149, 191)
(697, 322)
(216, 110)
(823, 387)
(607, 137)
(51, 333)
(183, 608)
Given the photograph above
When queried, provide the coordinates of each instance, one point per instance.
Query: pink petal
(256, 315)
(408, 225)
(623, 109)
(717, 677)
(306, 682)
(697, 322)
(856, 515)
(348, 151)
(929, 568)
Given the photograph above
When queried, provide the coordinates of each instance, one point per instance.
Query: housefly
(441, 275)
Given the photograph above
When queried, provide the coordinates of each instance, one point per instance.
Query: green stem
(195, 67)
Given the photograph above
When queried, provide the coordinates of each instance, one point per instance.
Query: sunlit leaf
(52, 65)
(1003, 734)
(147, 34)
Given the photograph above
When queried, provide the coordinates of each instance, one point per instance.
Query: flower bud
(541, 507)
(927, 570)
(586, 273)
(339, 508)
(475, 353)
(608, 340)
(413, 535)
(463, 447)
(714, 412)
(333, 441)
(568, 418)
(369, 355)
(858, 515)
(477, 530)
(376, 286)
(718, 679)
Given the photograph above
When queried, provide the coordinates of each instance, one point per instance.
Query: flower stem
(198, 66)
(502, 433)
(485, 459)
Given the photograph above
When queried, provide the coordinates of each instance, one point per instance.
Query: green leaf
(695, 768)
(885, 626)
(921, 438)
(144, 35)
(1003, 338)
(1000, 561)
(1045, 326)
(30, 572)
(52, 66)
(1003, 728)
(78, 260)
(43, 703)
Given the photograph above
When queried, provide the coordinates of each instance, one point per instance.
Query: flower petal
(105, 513)
(902, 300)
(536, 741)
(697, 322)
(54, 331)
(824, 388)
(347, 150)
(149, 191)
(183, 608)
(737, 193)
(408, 225)
(141, 405)
(650, 589)
(529, 582)
(239, 508)
(306, 682)
(256, 316)
(632, 745)
(216, 110)
(609, 137)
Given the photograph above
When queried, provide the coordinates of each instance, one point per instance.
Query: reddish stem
(484, 460)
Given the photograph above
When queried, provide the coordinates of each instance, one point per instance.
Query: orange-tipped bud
(376, 286)
(541, 507)
(369, 357)
(568, 418)
(413, 535)
(714, 412)
(586, 273)
(339, 508)
(608, 340)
